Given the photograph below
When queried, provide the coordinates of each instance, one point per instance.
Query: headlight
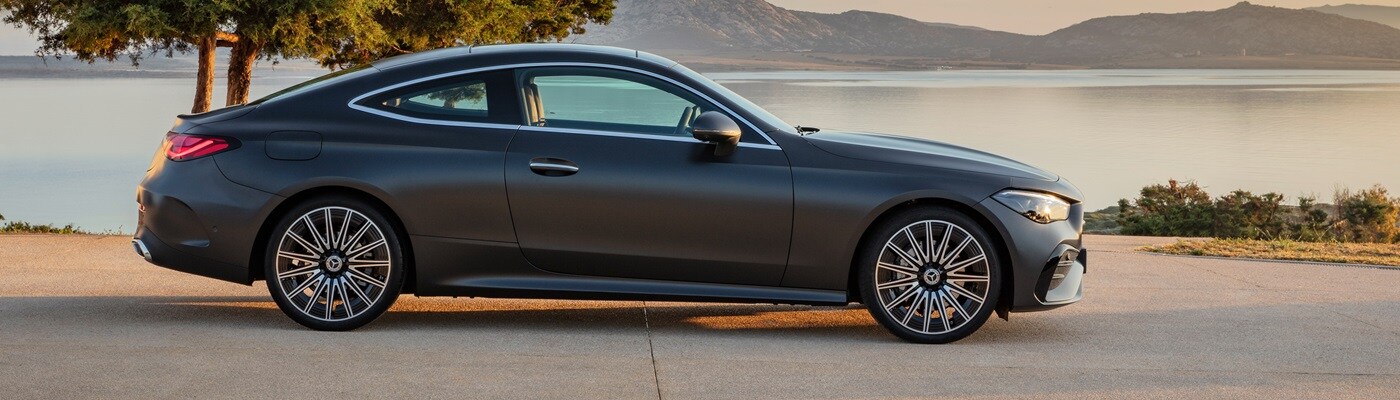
(1039, 207)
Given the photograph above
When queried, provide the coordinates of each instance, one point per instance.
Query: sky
(1034, 17)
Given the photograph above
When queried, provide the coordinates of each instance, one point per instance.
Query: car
(571, 171)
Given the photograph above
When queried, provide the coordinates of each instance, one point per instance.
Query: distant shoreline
(807, 61)
(34, 67)
(31, 67)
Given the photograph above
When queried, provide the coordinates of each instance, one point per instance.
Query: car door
(605, 179)
(442, 156)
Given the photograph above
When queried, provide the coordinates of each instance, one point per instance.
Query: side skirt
(456, 267)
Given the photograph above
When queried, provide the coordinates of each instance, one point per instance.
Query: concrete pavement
(84, 317)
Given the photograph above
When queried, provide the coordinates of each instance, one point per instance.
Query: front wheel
(334, 264)
(929, 275)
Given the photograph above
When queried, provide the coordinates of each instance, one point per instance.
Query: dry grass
(1348, 253)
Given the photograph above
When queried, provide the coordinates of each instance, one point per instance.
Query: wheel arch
(255, 257)
(996, 232)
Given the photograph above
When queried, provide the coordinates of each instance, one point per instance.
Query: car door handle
(552, 166)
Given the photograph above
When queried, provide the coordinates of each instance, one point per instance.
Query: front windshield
(754, 109)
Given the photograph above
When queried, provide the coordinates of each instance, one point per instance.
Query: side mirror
(714, 127)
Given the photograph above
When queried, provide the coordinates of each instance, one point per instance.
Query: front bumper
(1048, 261)
(1062, 279)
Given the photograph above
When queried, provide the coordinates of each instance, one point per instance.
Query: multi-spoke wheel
(334, 264)
(929, 275)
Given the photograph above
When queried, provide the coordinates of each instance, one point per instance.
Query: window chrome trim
(772, 145)
(681, 139)
(426, 121)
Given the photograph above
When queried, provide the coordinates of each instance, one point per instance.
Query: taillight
(181, 147)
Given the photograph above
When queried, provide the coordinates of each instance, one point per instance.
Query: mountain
(1382, 14)
(1241, 29)
(690, 25)
(716, 30)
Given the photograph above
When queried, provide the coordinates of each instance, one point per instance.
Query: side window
(607, 100)
(486, 97)
(466, 99)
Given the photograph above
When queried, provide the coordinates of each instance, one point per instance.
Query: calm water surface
(73, 150)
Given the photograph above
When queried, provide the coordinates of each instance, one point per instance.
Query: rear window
(313, 83)
(486, 97)
(457, 99)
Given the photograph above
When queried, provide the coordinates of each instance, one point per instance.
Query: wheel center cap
(334, 263)
(931, 276)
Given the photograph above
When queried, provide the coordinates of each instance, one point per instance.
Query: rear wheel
(929, 275)
(334, 264)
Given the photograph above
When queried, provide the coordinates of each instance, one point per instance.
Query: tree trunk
(240, 70)
(204, 81)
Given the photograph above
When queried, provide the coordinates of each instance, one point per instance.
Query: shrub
(25, 227)
(1177, 209)
(1242, 214)
(1171, 210)
(1312, 223)
(1103, 221)
(1368, 215)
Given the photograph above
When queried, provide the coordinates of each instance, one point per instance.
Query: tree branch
(225, 39)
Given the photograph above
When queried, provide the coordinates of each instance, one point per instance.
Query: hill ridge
(718, 27)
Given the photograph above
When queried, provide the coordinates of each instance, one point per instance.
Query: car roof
(562, 50)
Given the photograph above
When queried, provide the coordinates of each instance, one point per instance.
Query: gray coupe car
(587, 172)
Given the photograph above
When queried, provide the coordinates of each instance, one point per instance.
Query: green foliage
(1103, 221)
(25, 227)
(106, 30)
(1242, 214)
(1187, 210)
(1170, 210)
(416, 25)
(1313, 222)
(333, 32)
(1367, 215)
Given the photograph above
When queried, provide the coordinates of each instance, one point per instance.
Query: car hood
(914, 151)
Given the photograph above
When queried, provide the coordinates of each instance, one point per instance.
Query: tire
(334, 263)
(913, 290)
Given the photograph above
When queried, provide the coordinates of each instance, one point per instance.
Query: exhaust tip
(141, 249)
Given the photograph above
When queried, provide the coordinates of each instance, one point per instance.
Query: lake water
(73, 150)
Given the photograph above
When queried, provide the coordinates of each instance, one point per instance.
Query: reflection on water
(73, 150)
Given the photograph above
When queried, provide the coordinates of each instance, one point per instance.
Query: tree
(105, 30)
(336, 33)
(417, 25)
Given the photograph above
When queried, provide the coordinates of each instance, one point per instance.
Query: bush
(1103, 221)
(1244, 215)
(25, 227)
(1367, 215)
(1171, 210)
(1175, 209)
(1313, 223)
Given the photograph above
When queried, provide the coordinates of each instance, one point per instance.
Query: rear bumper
(159, 253)
(193, 219)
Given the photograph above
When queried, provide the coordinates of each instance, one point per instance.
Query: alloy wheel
(333, 264)
(932, 277)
